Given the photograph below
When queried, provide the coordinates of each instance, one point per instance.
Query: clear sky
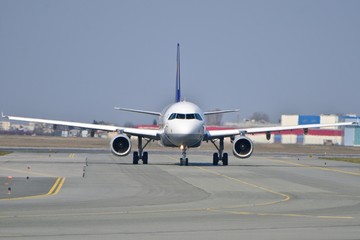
(76, 60)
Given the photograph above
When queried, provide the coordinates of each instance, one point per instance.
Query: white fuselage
(183, 125)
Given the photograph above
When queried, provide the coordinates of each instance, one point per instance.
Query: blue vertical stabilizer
(178, 90)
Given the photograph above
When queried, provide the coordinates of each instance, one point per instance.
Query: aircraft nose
(186, 129)
(188, 134)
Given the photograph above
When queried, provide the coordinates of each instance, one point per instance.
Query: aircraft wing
(305, 126)
(212, 134)
(65, 123)
(149, 133)
(146, 133)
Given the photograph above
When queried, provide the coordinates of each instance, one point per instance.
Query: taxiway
(101, 196)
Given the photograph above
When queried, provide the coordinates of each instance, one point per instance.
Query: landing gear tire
(225, 159)
(215, 159)
(140, 154)
(145, 158)
(135, 158)
(184, 162)
(220, 155)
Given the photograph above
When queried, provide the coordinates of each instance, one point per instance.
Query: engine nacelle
(120, 145)
(242, 147)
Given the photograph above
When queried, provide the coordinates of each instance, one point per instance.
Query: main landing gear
(220, 155)
(140, 154)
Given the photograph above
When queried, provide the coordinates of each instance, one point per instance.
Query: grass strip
(352, 160)
(4, 153)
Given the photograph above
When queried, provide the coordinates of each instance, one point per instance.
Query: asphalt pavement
(97, 195)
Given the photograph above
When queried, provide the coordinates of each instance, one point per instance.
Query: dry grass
(61, 142)
(352, 160)
(3, 153)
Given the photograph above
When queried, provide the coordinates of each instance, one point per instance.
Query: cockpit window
(180, 116)
(190, 116)
(172, 116)
(185, 116)
(198, 117)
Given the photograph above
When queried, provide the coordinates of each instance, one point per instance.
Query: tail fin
(178, 90)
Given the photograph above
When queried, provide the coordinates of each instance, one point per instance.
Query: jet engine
(242, 147)
(120, 145)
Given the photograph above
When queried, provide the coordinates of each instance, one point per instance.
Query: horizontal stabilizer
(138, 111)
(220, 111)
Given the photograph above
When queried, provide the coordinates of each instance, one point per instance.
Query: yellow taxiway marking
(225, 209)
(285, 197)
(316, 167)
(283, 214)
(55, 189)
(177, 210)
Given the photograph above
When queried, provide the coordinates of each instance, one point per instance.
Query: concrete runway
(98, 196)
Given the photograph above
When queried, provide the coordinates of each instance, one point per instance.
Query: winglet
(2, 115)
(178, 90)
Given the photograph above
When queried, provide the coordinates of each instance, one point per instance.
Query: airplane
(181, 125)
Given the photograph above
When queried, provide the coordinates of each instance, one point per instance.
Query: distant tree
(92, 132)
(129, 124)
(260, 117)
(101, 122)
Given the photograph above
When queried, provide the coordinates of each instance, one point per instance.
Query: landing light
(182, 147)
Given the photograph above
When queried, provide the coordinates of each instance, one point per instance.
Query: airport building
(8, 126)
(348, 136)
(4, 126)
(352, 134)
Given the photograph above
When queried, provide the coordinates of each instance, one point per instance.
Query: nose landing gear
(184, 161)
